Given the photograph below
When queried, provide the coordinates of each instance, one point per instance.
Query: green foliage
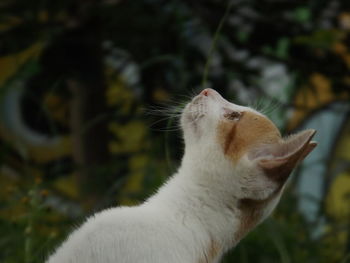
(30, 229)
(320, 39)
(302, 14)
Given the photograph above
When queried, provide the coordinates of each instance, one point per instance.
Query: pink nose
(205, 92)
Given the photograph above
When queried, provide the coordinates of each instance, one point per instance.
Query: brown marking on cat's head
(214, 249)
(239, 136)
(255, 135)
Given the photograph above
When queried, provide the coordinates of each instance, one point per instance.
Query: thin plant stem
(29, 228)
(214, 42)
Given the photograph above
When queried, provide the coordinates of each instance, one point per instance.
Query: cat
(233, 172)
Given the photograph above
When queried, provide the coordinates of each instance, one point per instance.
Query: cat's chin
(194, 112)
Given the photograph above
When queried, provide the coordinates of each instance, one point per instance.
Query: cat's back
(124, 235)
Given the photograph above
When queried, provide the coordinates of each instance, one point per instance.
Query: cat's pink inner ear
(278, 160)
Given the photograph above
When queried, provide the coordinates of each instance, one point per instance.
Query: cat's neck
(193, 193)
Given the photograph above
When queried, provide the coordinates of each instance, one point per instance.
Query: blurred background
(82, 88)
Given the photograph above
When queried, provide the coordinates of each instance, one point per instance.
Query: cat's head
(241, 147)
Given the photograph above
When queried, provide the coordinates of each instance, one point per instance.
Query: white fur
(197, 206)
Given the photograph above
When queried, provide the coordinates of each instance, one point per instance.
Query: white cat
(231, 178)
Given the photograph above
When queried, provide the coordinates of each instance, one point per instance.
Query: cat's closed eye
(233, 115)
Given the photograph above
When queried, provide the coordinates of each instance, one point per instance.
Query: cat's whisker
(270, 106)
(165, 112)
(172, 125)
(173, 109)
(188, 97)
(161, 120)
(167, 130)
(265, 105)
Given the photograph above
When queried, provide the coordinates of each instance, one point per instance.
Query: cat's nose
(208, 92)
(205, 92)
(213, 94)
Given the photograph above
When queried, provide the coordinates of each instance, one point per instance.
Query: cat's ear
(278, 160)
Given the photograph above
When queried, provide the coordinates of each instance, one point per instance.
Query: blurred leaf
(323, 39)
(282, 48)
(16, 63)
(129, 137)
(242, 36)
(302, 15)
(280, 51)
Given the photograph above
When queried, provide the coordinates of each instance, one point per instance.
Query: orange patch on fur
(237, 137)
